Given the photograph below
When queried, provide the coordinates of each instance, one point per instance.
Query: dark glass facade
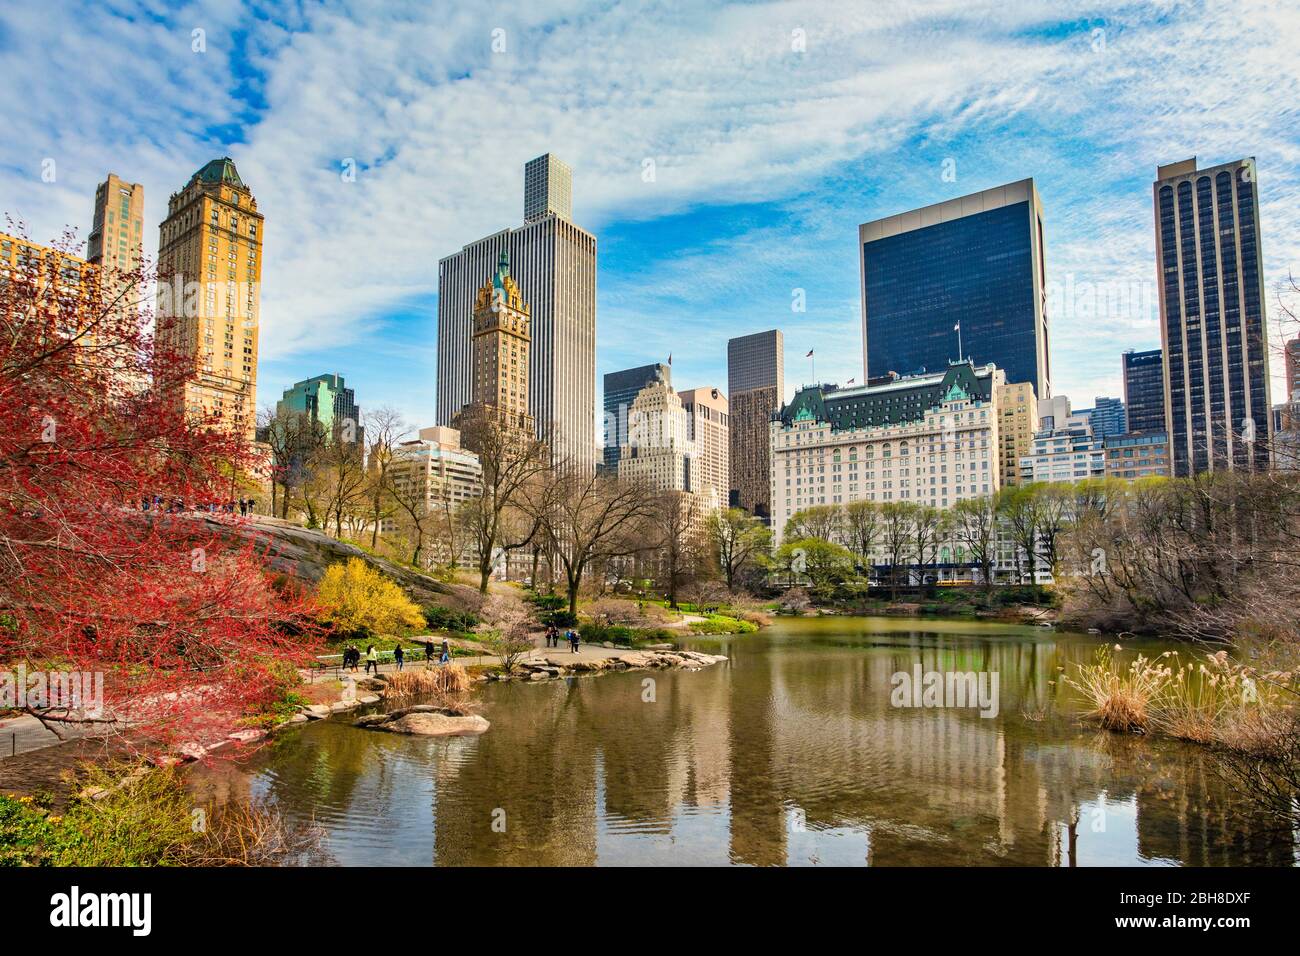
(978, 269)
(1144, 390)
(1213, 320)
(620, 389)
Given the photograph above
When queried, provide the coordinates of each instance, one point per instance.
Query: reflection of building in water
(758, 816)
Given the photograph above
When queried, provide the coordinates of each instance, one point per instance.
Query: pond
(793, 752)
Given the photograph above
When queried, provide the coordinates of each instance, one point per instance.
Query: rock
(246, 736)
(368, 699)
(370, 720)
(316, 711)
(434, 725)
(295, 719)
(341, 705)
(659, 647)
(539, 675)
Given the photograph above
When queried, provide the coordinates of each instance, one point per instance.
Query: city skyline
(742, 207)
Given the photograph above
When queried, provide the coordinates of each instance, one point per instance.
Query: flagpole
(959, 352)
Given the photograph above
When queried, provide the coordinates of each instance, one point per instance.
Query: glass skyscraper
(1144, 390)
(621, 388)
(1212, 315)
(976, 261)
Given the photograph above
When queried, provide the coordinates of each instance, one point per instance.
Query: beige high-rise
(707, 429)
(502, 344)
(1018, 420)
(210, 271)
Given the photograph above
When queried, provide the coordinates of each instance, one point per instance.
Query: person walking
(428, 652)
(372, 659)
(446, 652)
(399, 655)
(353, 657)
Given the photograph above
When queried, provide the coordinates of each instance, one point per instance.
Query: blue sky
(774, 130)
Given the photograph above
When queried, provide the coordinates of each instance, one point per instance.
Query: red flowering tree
(105, 567)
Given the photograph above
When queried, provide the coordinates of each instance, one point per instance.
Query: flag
(852, 380)
(809, 355)
(670, 358)
(957, 327)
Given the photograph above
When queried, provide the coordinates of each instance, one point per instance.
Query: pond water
(790, 753)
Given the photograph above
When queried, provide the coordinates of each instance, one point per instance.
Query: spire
(503, 270)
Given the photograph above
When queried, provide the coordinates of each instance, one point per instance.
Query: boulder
(246, 736)
(316, 711)
(434, 725)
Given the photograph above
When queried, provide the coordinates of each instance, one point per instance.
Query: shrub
(721, 624)
(356, 599)
(441, 618)
(560, 619)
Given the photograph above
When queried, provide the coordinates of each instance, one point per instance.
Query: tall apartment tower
(554, 263)
(756, 382)
(210, 256)
(620, 390)
(1144, 390)
(117, 234)
(707, 429)
(976, 261)
(1212, 322)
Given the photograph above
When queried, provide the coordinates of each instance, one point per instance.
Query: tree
(825, 563)
(975, 525)
(819, 521)
(592, 518)
(1019, 508)
(175, 610)
(509, 637)
(929, 525)
(740, 541)
(1055, 506)
(339, 478)
(508, 514)
(295, 439)
(862, 527)
(384, 429)
(896, 534)
(354, 598)
(681, 549)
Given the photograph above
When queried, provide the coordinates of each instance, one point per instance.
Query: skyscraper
(621, 389)
(1144, 390)
(707, 427)
(116, 238)
(1212, 319)
(554, 263)
(327, 401)
(975, 261)
(501, 343)
(209, 287)
(548, 188)
(756, 383)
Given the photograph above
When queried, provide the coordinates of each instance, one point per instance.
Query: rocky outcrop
(552, 667)
(425, 720)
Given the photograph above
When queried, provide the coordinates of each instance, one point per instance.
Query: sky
(723, 154)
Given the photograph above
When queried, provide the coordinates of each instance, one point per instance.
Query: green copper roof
(503, 270)
(220, 171)
(906, 400)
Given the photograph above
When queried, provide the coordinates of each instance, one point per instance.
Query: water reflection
(789, 754)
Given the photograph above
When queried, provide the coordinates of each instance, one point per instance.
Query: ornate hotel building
(210, 272)
(926, 439)
(554, 264)
(1212, 322)
(501, 346)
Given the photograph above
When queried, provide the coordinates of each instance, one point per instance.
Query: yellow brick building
(1018, 420)
(210, 272)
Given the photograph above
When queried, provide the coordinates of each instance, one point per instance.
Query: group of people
(553, 638)
(245, 506)
(352, 656)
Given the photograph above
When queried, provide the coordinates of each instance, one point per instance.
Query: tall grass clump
(1124, 699)
(447, 684)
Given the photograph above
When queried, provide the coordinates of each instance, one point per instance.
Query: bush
(440, 618)
(624, 636)
(560, 619)
(721, 624)
(356, 599)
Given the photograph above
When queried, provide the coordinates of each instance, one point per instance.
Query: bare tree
(681, 548)
(508, 514)
(591, 518)
(862, 527)
(296, 439)
(975, 525)
(384, 429)
(896, 532)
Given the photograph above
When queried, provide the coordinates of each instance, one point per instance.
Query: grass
(1122, 698)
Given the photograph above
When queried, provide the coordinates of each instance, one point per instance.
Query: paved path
(19, 735)
(415, 658)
